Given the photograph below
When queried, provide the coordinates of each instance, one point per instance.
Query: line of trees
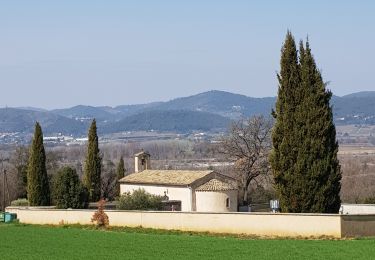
(65, 189)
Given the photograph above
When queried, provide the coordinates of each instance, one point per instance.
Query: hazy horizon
(58, 55)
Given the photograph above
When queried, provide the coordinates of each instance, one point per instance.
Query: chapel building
(185, 190)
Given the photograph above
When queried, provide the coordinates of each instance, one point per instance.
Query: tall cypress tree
(93, 164)
(38, 192)
(120, 172)
(317, 161)
(284, 134)
(304, 158)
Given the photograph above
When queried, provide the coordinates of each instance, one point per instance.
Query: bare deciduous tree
(18, 160)
(108, 180)
(248, 145)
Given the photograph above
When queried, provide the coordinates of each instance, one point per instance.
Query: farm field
(43, 242)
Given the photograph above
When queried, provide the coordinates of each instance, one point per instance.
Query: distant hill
(356, 108)
(82, 113)
(127, 110)
(33, 109)
(172, 120)
(104, 114)
(204, 111)
(218, 102)
(361, 94)
(23, 121)
(223, 103)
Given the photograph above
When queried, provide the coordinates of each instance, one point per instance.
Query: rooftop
(216, 185)
(141, 153)
(165, 177)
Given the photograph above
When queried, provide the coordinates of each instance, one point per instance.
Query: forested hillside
(205, 111)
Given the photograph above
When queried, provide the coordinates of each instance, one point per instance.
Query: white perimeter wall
(174, 193)
(357, 208)
(259, 224)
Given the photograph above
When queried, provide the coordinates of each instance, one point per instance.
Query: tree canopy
(304, 157)
(247, 145)
(68, 191)
(93, 164)
(38, 191)
(120, 173)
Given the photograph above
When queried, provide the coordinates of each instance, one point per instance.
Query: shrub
(20, 202)
(369, 200)
(100, 218)
(140, 200)
(68, 192)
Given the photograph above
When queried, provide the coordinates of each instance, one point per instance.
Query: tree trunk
(245, 192)
(245, 202)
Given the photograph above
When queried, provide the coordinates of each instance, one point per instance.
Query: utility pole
(5, 182)
(4, 172)
(5, 185)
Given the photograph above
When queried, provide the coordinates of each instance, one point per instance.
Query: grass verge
(21, 241)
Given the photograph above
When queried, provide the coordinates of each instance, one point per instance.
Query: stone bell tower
(142, 161)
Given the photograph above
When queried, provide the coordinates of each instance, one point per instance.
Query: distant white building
(203, 191)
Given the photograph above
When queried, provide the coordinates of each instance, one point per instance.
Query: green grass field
(43, 242)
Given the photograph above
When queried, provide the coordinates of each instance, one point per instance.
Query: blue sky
(57, 54)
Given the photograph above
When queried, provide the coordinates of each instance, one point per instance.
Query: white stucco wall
(210, 201)
(357, 208)
(260, 224)
(174, 193)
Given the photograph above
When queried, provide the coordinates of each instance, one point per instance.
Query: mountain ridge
(217, 106)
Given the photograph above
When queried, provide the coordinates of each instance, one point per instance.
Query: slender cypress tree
(284, 134)
(38, 191)
(304, 157)
(317, 159)
(93, 164)
(120, 172)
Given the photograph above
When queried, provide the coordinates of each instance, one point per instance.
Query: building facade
(203, 191)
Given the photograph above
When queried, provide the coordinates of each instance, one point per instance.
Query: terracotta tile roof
(216, 185)
(141, 153)
(171, 177)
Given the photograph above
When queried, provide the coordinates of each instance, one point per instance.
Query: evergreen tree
(120, 173)
(304, 158)
(68, 191)
(38, 191)
(317, 160)
(284, 153)
(92, 171)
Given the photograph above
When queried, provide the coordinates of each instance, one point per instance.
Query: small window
(227, 202)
